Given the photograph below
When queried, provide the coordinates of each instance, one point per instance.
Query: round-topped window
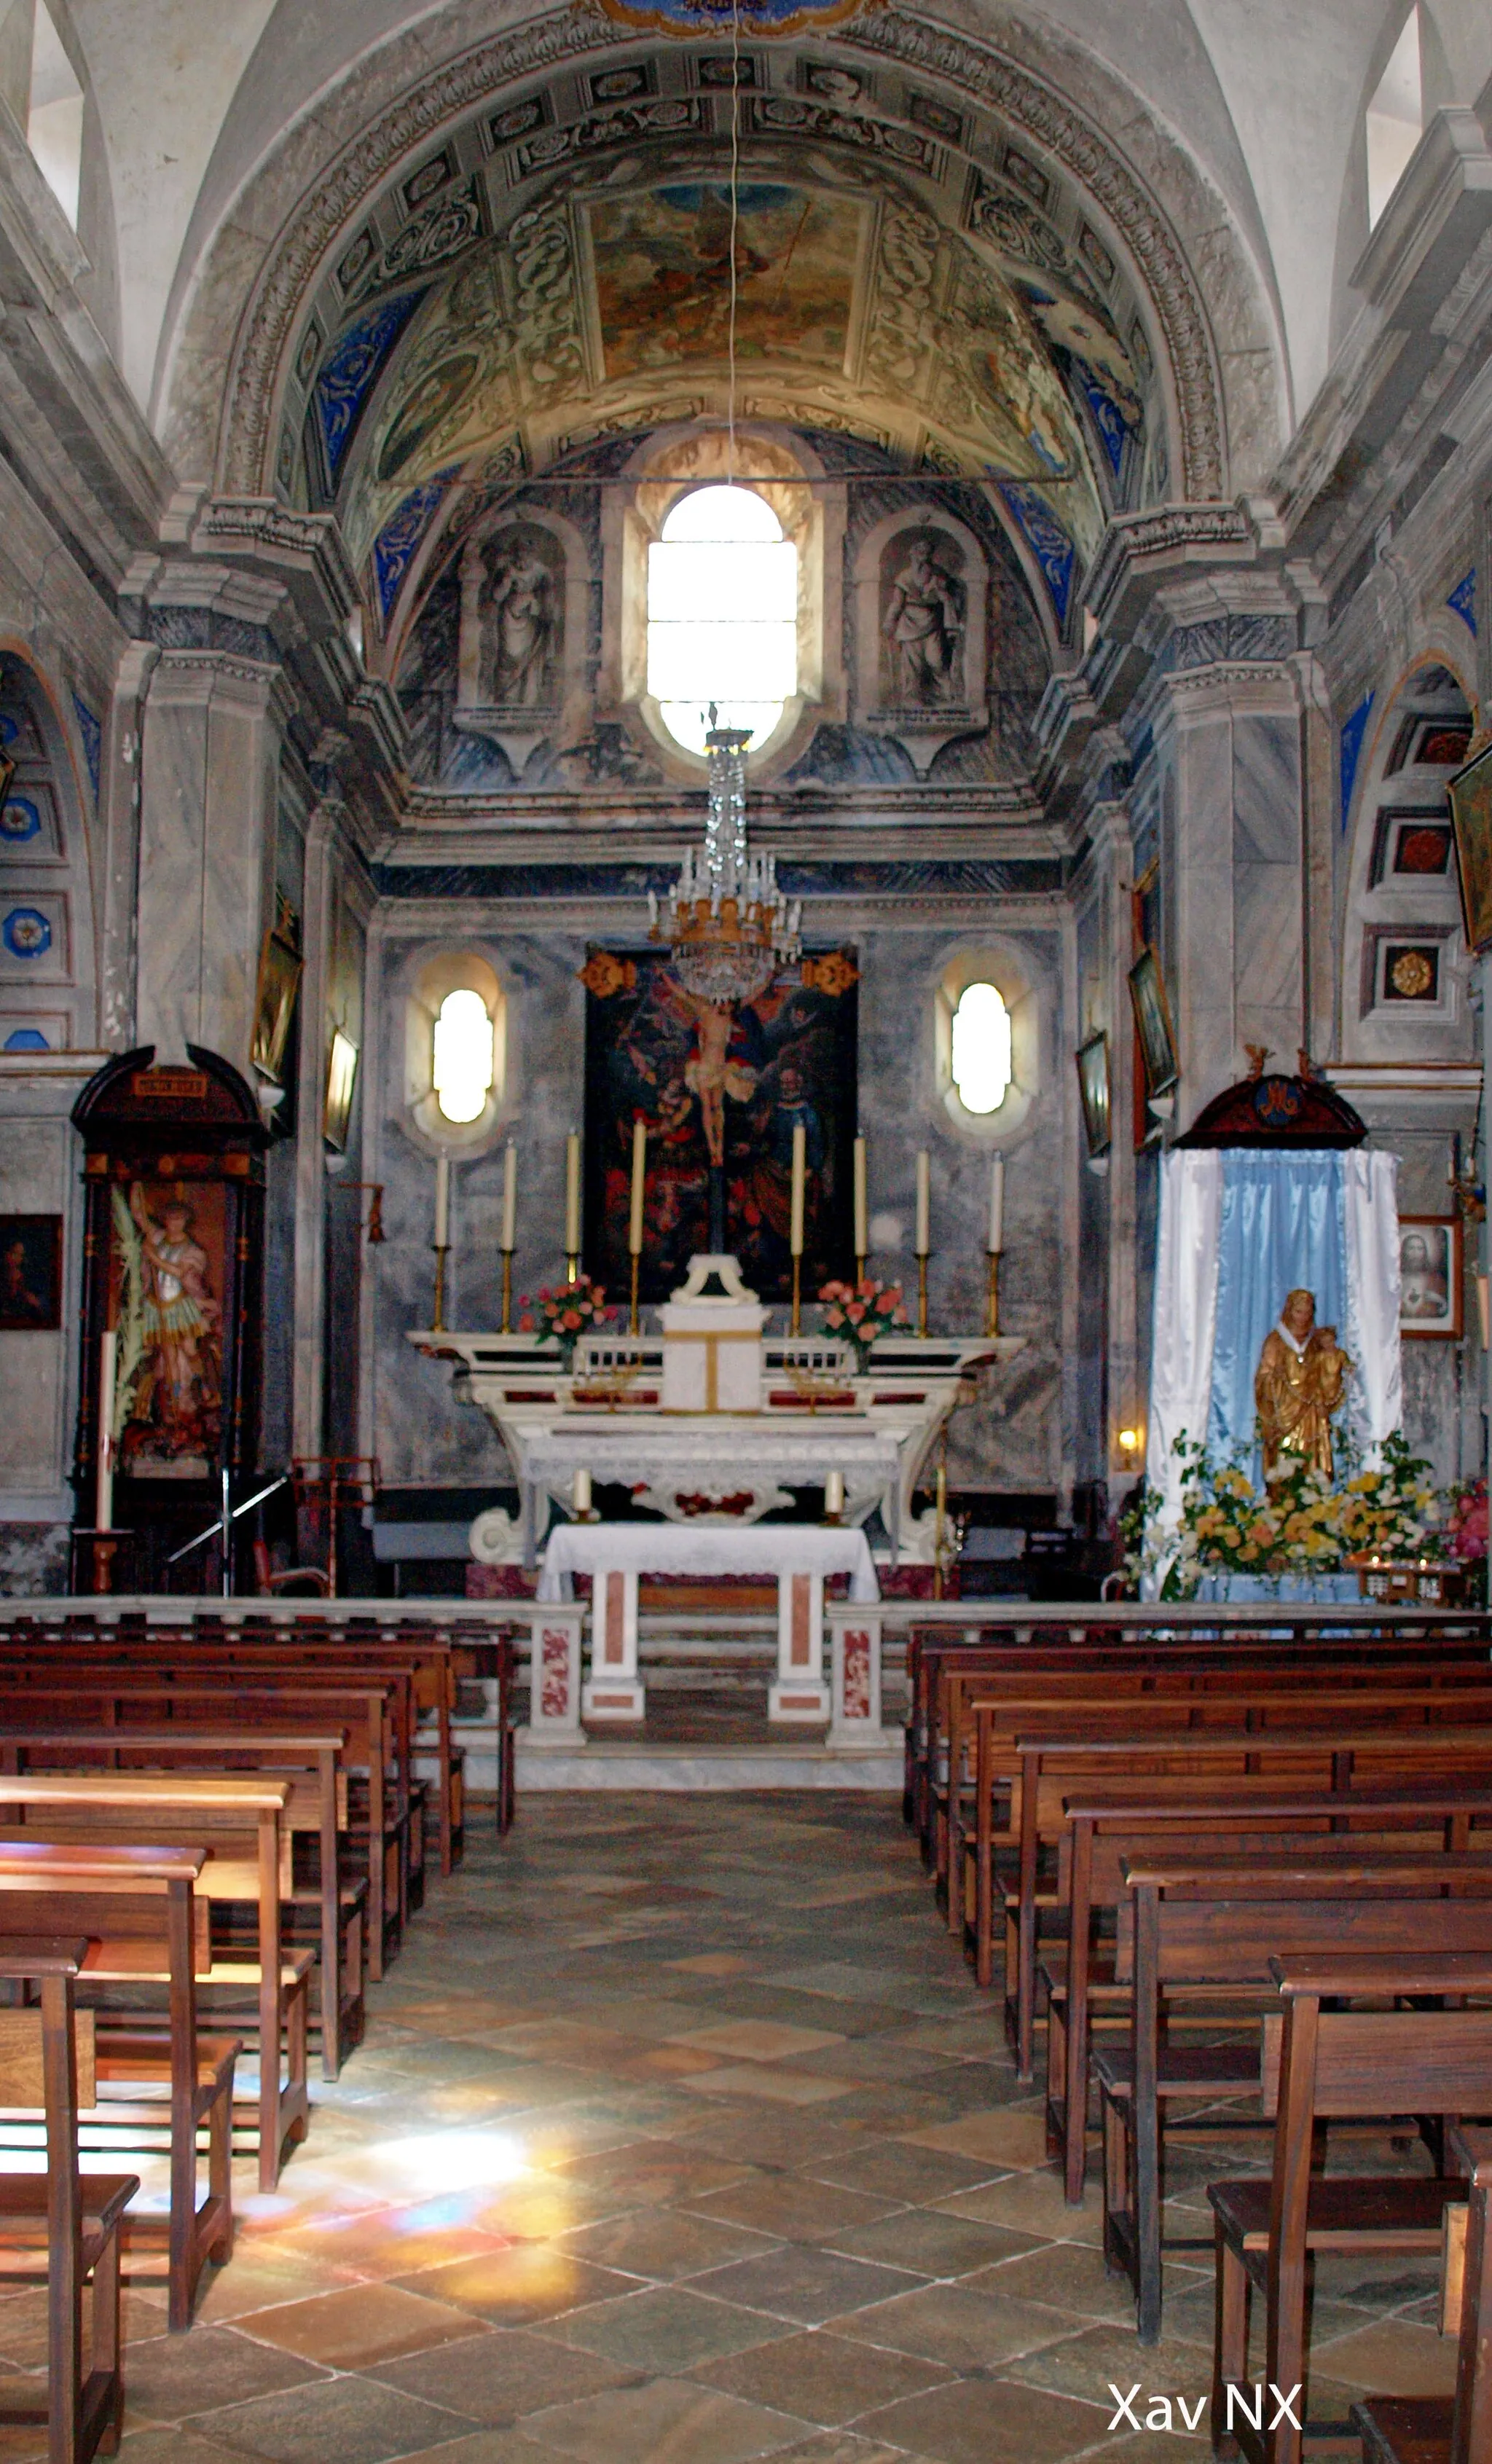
(981, 1062)
(722, 615)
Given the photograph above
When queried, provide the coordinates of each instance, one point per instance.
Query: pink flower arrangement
(566, 1315)
(862, 1311)
(1466, 1530)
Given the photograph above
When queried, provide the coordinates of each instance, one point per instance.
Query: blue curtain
(1283, 1225)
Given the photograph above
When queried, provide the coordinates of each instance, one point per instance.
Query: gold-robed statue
(1297, 1387)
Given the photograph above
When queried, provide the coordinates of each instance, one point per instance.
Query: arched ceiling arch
(973, 137)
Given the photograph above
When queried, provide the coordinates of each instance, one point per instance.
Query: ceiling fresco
(558, 272)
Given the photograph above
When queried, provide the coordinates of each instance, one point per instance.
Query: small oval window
(981, 1060)
(463, 1060)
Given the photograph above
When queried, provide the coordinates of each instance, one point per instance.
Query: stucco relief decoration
(922, 592)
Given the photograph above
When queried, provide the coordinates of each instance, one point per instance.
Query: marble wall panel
(37, 1178)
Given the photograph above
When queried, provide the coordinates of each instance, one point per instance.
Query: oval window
(980, 1059)
(722, 615)
(463, 1062)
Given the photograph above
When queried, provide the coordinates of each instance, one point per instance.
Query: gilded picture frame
(1470, 793)
(1431, 1277)
(1094, 1090)
(275, 998)
(1153, 1023)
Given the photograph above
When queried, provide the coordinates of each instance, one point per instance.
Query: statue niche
(517, 639)
(922, 587)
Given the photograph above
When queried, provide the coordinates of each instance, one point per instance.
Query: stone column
(321, 833)
(210, 788)
(120, 799)
(1113, 858)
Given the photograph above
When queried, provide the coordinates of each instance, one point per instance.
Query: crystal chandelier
(728, 924)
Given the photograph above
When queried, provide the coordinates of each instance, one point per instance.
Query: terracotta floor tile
(1002, 2137)
(502, 2375)
(341, 2421)
(967, 2331)
(791, 2207)
(167, 2379)
(663, 2244)
(929, 2242)
(822, 2377)
(1088, 2365)
(806, 2285)
(988, 2421)
(901, 2171)
(653, 2172)
(519, 2286)
(773, 2082)
(363, 2323)
(667, 2328)
(679, 2420)
(758, 2040)
(1392, 2357)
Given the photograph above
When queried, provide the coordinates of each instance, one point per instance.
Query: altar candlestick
(104, 1491)
(510, 1196)
(833, 1496)
(861, 1215)
(996, 1239)
(922, 1244)
(443, 1201)
(580, 1494)
(796, 1230)
(572, 1206)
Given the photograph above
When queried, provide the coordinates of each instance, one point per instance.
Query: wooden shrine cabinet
(173, 1265)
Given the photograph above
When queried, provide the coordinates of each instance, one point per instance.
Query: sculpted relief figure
(520, 627)
(1298, 1385)
(923, 627)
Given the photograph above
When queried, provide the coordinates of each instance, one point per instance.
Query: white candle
(104, 1491)
(581, 1492)
(510, 1196)
(996, 1239)
(441, 1201)
(799, 1177)
(861, 1215)
(834, 1493)
(572, 1194)
(634, 1237)
(923, 1244)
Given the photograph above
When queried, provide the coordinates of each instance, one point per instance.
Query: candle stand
(798, 1296)
(507, 1291)
(861, 1262)
(922, 1292)
(572, 1265)
(632, 1325)
(438, 1318)
(992, 1302)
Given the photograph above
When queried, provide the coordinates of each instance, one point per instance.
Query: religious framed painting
(274, 996)
(719, 1088)
(1470, 793)
(31, 1273)
(1092, 1060)
(1429, 1275)
(1153, 1020)
(341, 1076)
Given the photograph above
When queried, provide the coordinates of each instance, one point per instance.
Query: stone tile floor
(680, 2133)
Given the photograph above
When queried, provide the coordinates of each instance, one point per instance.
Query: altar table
(797, 1556)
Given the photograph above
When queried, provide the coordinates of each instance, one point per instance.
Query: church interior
(745, 979)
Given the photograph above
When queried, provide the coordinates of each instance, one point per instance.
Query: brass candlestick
(922, 1292)
(632, 1317)
(507, 1291)
(798, 1296)
(859, 1270)
(438, 1321)
(572, 1265)
(992, 1305)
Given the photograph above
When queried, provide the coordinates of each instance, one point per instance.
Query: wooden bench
(316, 1808)
(1446, 2430)
(1152, 1817)
(1338, 2064)
(59, 2227)
(240, 1820)
(139, 1909)
(1212, 1936)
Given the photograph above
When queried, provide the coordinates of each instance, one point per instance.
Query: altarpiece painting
(656, 1051)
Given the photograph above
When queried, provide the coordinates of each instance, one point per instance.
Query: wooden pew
(1444, 2429)
(1212, 1935)
(316, 1806)
(239, 1820)
(1151, 1817)
(1336, 1757)
(59, 2228)
(1338, 2064)
(142, 1924)
(40, 1695)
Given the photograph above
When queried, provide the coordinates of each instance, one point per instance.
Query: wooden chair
(59, 2228)
(1446, 2430)
(1323, 2063)
(144, 1924)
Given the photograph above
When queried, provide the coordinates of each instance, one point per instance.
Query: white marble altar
(796, 1556)
(712, 1340)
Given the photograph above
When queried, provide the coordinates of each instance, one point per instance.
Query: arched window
(54, 118)
(722, 615)
(462, 1063)
(1395, 117)
(982, 1059)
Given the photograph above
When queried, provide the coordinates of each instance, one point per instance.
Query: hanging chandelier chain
(735, 205)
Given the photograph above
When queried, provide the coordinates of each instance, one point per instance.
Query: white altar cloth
(761, 1549)
(796, 1556)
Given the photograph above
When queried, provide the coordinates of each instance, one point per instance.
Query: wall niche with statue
(520, 660)
(921, 616)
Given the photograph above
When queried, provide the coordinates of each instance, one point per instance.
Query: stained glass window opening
(722, 615)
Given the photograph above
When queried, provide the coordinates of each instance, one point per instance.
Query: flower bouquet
(1303, 1525)
(862, 1312)
(565, 1315)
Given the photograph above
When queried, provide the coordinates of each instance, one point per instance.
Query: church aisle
(680, 2134)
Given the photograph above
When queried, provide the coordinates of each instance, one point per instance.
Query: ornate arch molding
(1029, 104)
